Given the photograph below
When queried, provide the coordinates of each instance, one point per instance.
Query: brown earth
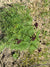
(6, 59)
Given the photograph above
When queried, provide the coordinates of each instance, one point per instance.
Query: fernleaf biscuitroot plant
(18, 29)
